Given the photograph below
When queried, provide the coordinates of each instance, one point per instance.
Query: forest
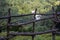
(19, 7)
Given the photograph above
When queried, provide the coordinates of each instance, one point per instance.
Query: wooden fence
(33, 33)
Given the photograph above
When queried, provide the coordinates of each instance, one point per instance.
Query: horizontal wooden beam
(32, 33)
(4, 38)
(6, 17)
(58, 33)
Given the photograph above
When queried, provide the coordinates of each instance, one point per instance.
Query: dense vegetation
(25, 7)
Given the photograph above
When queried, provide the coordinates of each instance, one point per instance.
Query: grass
(37, 37)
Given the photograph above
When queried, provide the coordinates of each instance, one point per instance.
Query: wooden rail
(6, 17)
(32, 33)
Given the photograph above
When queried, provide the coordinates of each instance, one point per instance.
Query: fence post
(8, 22)
(53, 33)
(0, 29)
(34, 24)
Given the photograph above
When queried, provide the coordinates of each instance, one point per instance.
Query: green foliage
(38, 37)
(25, 7)
(58, 8)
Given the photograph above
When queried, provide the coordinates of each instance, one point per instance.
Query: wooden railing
(33, 33)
